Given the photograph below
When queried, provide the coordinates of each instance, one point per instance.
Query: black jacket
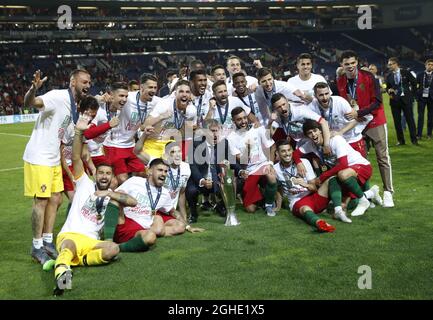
(408, 82)
(420, 82)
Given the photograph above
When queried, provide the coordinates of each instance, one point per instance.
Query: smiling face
(323, 95)
(80, 84)
(241, 120)
(350, 66)
(120, 96)
(148, 90)
(285, 153)
(219, 74)
(158, 174)
(233, 66)
(267, 82)
(304, 67)
(183, 96)
(240, 84)
(104, 174)
(315, 135)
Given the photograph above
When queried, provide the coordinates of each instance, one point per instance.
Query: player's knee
(343, 175)
(149, 238)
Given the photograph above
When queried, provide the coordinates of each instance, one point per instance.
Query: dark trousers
(399, 105)
(192, 192)
(422, 103)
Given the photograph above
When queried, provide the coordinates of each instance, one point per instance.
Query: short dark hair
(310, 124)
(237, 111)
(263, 72)
(170, 73)
(132, 83)
(147, 76)
(75, 72)
(282, 142)
(238, 74)
(194, 63)
(276, 97)
(395, 60)
(320, 85)
(216, 67)
(348, 54)
(88, 103)
(195, 73)
(104, 164)
(182, 82)
(119, 85)
(217, 84)
(156, 162)
(304, 56)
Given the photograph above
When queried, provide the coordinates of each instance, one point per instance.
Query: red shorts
(364, 172)
(165, 217)
(360, 147)
(123, 160)
(67, 183)
(251, 191)
(125, 232)
(315, 201)
(100, 159)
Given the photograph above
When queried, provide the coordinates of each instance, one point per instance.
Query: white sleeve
(308, 114)
(51, 100)
(160, 108)
(308, 147)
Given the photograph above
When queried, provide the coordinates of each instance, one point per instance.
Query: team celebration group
(133, 164)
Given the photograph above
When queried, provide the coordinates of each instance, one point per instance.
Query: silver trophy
(228, 194)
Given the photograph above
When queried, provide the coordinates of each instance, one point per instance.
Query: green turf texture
(262, 258)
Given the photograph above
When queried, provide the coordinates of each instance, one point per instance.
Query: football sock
(311, 218)
(65, 257)
(37, 243)
(47, 237)
(353, 185)
(334, 192)
(270, 191)
(136, 244)
(93, 258)
(59, 270)
(110, 221)
(352, 204)
(366, 185)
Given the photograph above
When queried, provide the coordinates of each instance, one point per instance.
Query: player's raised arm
(77, 146)
(29, 99)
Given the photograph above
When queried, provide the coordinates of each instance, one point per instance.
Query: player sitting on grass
(305, 200)
(78, 243)
(350, 168)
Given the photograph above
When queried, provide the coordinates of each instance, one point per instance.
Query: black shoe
(206, 206)
(221, 209)
(192, 219)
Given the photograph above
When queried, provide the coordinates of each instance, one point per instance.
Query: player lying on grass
(306, 201)
(347, 165)
(78, 243)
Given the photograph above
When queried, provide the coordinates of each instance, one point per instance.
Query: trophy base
(231, 220)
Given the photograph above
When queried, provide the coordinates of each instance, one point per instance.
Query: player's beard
(103, 186)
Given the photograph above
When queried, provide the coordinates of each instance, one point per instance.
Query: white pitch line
(11, 169)
(15, 135)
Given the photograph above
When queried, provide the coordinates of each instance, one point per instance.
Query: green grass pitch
(262, 258)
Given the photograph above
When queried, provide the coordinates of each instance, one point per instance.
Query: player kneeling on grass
(347, 166)
(305, 200)
(78, 243)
